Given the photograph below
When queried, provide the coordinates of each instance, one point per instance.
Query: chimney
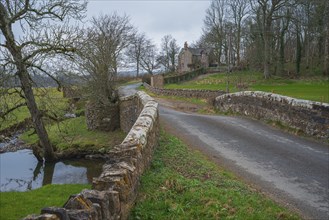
(185, 45)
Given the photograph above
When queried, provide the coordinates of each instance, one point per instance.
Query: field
(73, 134)
(311, 88)
(184, 184)
(48, 99)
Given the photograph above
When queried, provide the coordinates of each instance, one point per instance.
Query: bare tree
(169, 53)
(135, 50)
(165, 59)
(100, 53)
(267, 10)
(173, 54)
(214, 26)
(240, 10)
(149, 61)
(42, 39)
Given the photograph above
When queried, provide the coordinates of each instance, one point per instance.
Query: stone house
(194, 58)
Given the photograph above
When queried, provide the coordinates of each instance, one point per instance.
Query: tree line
(269, 34)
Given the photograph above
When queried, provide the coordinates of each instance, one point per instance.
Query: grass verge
(17, 205)
(184, 184)
(315, 89)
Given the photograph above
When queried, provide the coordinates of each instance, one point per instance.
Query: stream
(21, 171)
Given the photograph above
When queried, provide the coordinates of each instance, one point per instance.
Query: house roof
(198, 51)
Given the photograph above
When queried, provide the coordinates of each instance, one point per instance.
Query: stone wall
(102, 116)
(184, 77)
(129, 111)
(310, 117)
(188, 93)
(157, 81)
(114, 192)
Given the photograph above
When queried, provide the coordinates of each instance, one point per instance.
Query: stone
(59, 212)
(70, 115)
(107, 200)
(102, 117)
(78, 202)
(83, 215)
(42, 217)
(312, 118)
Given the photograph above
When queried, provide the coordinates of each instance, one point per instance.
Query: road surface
(290, 169)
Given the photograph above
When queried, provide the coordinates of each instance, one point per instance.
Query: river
(21, 171)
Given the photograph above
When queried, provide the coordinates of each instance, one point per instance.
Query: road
(290, 169)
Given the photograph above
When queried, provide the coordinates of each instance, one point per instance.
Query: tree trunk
(27, 88)
(267, 48)
(281, 57)
(238, 46)
(266, 56)
(36, 115)
(298, 51)
(326, 55)
(137, 69)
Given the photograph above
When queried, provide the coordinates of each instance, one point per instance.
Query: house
(194, 58)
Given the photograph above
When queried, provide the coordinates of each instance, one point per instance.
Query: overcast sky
(183, 19)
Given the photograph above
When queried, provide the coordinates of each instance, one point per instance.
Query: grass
(184, 184)
(73, 134)
(315, 89)
(48, 99)
(17, 205)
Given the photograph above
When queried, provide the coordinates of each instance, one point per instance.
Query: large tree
(214, 26)
(169, 53)
(100, 52)
(135, 50)
(267, 11)
(149, 57)
(42, 34)
(240, 10)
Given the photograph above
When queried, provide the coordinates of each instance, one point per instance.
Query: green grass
(15, 117)
(315, 89)
(17, 205)
(48, 99)
(73, 134)
(184, 184)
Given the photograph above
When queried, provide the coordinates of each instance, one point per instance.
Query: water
(21, 171)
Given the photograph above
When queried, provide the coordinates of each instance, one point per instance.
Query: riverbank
(12, 143)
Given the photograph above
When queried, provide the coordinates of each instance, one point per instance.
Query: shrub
(147, 78)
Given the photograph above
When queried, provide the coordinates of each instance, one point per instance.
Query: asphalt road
(290, 169)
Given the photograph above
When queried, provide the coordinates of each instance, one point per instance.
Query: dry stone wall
(102, 116)
(157, 81)
(310, 117)
(114, 191)
(188, 93)
(184, 77)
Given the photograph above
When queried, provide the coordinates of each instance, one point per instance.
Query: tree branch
(45, 72)
(3, 114)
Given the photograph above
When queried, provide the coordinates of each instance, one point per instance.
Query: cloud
(182, 19)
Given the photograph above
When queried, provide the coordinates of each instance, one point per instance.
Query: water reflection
(21, 171)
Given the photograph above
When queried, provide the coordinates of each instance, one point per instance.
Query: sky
(183, 19)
